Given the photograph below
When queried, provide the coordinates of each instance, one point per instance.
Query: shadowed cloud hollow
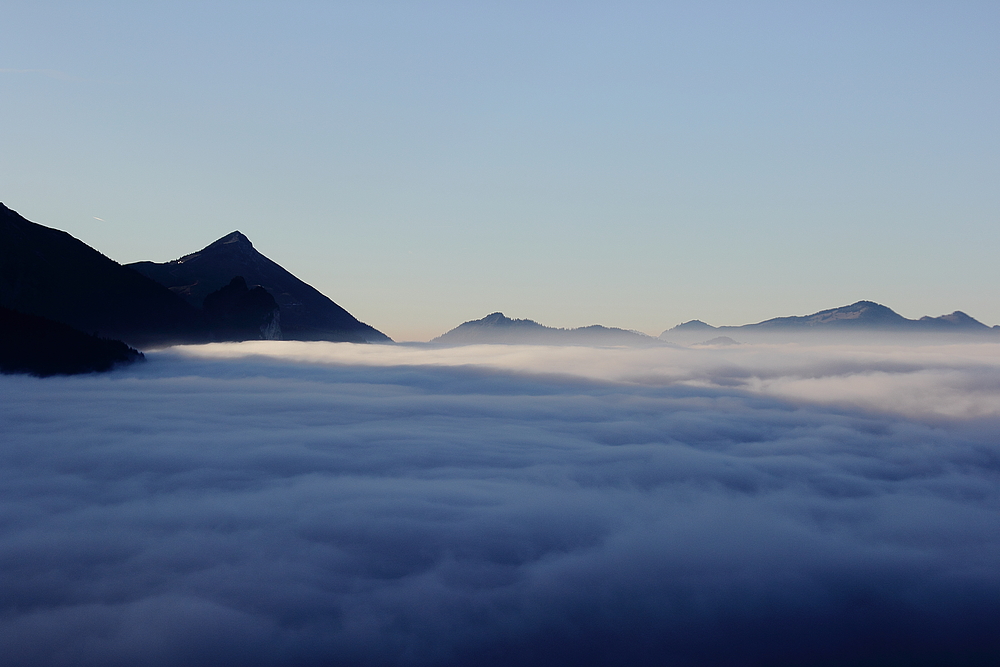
(277, 503)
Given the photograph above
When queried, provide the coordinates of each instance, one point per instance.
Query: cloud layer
(300, 504)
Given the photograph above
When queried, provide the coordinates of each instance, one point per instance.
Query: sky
(629, 164)
(289, 503)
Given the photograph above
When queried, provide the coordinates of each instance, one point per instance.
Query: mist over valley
(804, 491)
(535, 334)
(296, 502)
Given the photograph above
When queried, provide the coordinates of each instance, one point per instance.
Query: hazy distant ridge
(859, 317)
(497, 328)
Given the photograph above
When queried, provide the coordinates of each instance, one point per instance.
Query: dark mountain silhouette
(39, 346)
(47, 272)
(717, 341)
(863, 314)
(956, 321)
(693, 326)
(861, 317)
(237, 312)
(306, 314)
(497, 328)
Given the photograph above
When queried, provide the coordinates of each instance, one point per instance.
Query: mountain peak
(497, 328)
(496, 318)
(957, 319)
(306, 314)
(232, 245)
(694, 325)
(233, 237)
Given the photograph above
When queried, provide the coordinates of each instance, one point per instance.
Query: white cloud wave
(945, 380)
(297, 503)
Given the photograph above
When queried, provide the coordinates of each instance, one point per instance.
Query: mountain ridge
(49, 273)
(498, 329)
(306, 313)
(42, 347)
(858, 317)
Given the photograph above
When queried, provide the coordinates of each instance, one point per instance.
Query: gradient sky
(629, 164)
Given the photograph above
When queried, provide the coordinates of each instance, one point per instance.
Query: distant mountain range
(862, 317)
(46, 273)
(54, 287)
(865, 319)
(497, 328)
(305, 313)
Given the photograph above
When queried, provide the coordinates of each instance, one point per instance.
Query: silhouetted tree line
(40, 346)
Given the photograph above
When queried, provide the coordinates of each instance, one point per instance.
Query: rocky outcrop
(237, 312)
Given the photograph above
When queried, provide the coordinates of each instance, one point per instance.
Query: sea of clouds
(282, 503)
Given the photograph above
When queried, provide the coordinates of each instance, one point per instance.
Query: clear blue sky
(629, 164)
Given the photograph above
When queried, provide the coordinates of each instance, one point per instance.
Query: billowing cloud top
(314, 503)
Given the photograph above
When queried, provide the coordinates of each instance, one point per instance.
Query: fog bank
(314, 503)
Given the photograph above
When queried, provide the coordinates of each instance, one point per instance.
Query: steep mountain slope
(47, 272)
(306, 314)
(497, 328)
(858, 318)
